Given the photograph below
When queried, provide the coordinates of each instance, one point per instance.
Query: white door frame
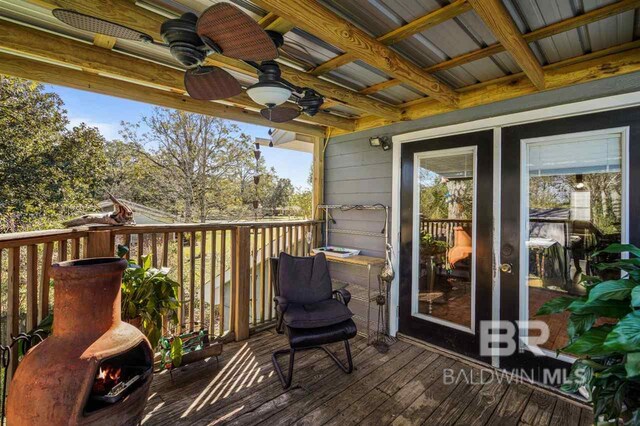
(494, 123)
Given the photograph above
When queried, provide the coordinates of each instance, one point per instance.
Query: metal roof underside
(463, 34)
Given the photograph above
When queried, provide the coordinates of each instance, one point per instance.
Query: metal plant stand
(368, 262)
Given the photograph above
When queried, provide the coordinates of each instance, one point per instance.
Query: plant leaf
(635, 297)
(625, 336)
(579, 324)
(612, 290)
(590, 343)
(603, 308)
(619, 248)
(555, 305)
(632, 364)
(176, 351)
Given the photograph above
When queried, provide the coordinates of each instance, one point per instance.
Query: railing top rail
(18, 239)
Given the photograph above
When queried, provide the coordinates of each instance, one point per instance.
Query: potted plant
(608, 369)
(148, 295)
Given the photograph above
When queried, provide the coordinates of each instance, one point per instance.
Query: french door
(445, 237)
(568, 187)
(575, 184)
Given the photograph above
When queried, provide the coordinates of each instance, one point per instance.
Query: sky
(106, 113)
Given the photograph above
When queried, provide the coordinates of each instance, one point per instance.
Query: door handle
(506, 268)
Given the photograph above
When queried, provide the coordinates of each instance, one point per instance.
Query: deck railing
(222, 269)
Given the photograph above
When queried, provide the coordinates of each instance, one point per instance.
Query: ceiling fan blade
(210, 83)
(96, 25)
(280, 114)
(235, 33)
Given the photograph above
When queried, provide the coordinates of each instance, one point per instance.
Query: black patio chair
(308, 311)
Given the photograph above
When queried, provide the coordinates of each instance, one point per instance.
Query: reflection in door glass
(446, 185)
(575, 196)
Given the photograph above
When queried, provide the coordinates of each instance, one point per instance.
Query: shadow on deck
(403, 386)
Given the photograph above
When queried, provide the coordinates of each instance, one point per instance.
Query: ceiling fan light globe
(269, 94)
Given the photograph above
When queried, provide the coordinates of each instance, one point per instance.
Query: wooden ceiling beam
(52, 74)
(272, 22)
(49, 47)
(500, 23)
(126, 13)
(323, 23)
(539, 34)
(423, 23)
(623, 59)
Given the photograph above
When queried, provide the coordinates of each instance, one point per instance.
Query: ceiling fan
(225, 29)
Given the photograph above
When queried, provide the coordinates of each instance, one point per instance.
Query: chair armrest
(281, 303)
(343, 295)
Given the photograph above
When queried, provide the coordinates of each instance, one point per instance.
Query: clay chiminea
(461, 246)
(55, 383)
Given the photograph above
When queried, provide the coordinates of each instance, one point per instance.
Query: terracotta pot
(54, 380)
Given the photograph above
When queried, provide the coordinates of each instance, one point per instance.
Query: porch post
(240, 293)
(100, 243)
(318, 177)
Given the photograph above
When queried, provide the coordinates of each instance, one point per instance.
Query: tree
(196, 153)
(47, 172)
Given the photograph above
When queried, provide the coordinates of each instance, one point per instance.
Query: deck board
(403, 386)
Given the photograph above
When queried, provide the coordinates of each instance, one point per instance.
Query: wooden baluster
(223, 265)
(192, 279)
(180, 281)
(62, 250)
(305, 245)
(127, 242)
(13, 306)
(275, 254)
(47, 259)
(290, 240)
(32, 286)
(140, 248)
(254, 277)
(75, 248)
(212, 294)
(272, 253)
(203, 271)
(154, 250)
(263, 266)
(166, 238)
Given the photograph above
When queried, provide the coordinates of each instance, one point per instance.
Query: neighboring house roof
(141, 214)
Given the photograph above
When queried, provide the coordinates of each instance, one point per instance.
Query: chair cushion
(303, 279)
(319, 314)
(307, 337)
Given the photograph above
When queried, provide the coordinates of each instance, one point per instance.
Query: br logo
(500, 338)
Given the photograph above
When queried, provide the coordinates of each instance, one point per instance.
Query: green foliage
(176, 352)
(47, 171)
(609, 364)
(149, 294)
(430, 246)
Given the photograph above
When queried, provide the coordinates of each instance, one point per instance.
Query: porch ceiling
(375, 61)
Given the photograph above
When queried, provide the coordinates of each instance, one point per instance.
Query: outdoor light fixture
(269, 90)
(382, 141)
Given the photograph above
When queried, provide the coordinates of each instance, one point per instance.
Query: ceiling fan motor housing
(184, 43)
(310, 102)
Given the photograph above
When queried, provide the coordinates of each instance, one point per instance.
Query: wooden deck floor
(404, 386)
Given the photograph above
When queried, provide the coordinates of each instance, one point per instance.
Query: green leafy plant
(604, 332)
(148, 294)
(430, 246)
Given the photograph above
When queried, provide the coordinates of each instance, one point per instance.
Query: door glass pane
(575, 198)
(446, 202)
